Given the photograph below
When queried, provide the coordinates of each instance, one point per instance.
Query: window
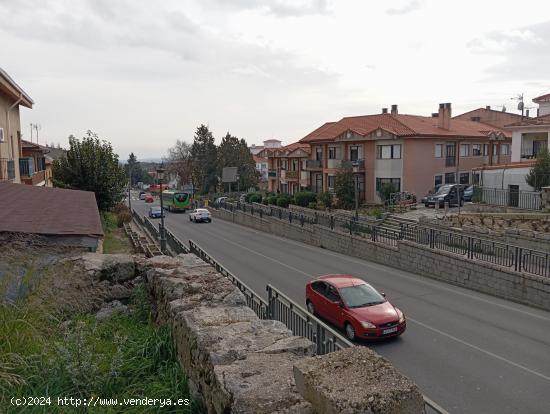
(396, 182)
(318, 153)
(438, 150)
(1, 134)
(438, 180)
(331, 153)
(475, 178)
(319, 287)
(284, 164)
(284, 188)
(495, 149)
(464, 178)
(476, 150)
(485, 149)
(354, 153)
(332, 294)
(331, 181)
(318, 183)
(385, 152)
(505, 149)
(450, 178)
(294, 165)
(464, 150)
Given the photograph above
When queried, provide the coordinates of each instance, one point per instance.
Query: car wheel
(310, 307)
(350, 332)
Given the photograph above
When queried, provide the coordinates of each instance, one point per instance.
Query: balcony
(349, 164)
(314, 164)
(292, 175)
(450, 161)
(529, 153)
(36, 178)
(272, 174)
(7, 169)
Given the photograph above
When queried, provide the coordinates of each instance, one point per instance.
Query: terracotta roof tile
(542, 98)
(541, 120)
(51, 211)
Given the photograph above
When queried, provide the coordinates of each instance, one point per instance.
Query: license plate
(389, 331)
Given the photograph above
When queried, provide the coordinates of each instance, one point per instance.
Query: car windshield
(155, 209)
(359, 296)
(181, 197)
(202, 210)
(443, 190)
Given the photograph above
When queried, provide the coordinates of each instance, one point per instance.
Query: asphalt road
(469, 352)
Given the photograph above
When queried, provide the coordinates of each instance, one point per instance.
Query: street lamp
(160, 176)
(355, 165)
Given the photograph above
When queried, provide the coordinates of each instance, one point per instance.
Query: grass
(126, 356)
(115, 240)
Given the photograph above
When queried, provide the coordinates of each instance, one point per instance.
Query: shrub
(312, 205)
(119, 208)
(255, 198)
(326, 199)
(123, 217)
(272, 199)
(283, 200)
(303, 199)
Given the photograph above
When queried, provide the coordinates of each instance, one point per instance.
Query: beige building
(11, 97)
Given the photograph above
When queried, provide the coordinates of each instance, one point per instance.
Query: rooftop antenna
(503, 107)
(36, 127)
(521, 106)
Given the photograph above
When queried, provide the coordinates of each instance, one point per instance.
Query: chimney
(444, 116)
(394, 109)
(384, 110)
(488, 107)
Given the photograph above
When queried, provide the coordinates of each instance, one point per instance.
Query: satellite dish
(520, 106)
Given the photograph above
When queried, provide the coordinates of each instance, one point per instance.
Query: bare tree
(179, 161)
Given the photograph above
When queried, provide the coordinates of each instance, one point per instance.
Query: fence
(175, 244)
(515, 258)
(529, 200)
(281, 308)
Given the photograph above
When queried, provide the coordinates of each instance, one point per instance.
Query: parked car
(149, 198)
(142, 195)
(220, 200)
(469, 193)
(156, 212)
(200, 214)
(430, 193)
(448, 193)
(354, 306)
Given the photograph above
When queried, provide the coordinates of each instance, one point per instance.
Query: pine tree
(539, 175)
(203, 154)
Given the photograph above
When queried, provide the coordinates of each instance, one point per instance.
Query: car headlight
(401, 316)
(367, 325)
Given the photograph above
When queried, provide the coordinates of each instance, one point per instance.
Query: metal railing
(175, 244)
(153, 230)
(512, 257)
(7, 169)
(283, 309)
(529, 200)
(254, 301)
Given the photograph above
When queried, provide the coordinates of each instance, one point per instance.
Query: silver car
(200, 215)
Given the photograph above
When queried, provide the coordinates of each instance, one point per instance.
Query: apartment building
(491, 117)
(287, 168)
(414, 153)
(12, 96)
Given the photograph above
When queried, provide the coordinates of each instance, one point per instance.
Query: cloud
(524, 52)
(278, 8)
(409, 7)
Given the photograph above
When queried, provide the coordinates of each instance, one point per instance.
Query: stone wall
(237, 363)
(437, 264)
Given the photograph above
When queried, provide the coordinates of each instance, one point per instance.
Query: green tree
(233, 152)
(91, 165)
(539, 175)
(204, 156)
(386, 190)
(136, 172)
(344, 187)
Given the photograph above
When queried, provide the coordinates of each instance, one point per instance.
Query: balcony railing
(450, 161)
(26, 167)
(272, 174)
(350, 164)
(314, 164)
(7, 169)
(531, 153)
(292, 175)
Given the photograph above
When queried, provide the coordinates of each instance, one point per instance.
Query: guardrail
(509, 256)
(254, 301)
(281, 308)
(175, 244)
(153, 230)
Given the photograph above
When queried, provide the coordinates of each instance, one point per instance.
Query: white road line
(396, 272)
(477, 348)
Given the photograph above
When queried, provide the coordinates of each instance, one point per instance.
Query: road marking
(477, 348)
(398, 272)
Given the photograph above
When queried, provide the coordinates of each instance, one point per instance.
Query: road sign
(229, 174)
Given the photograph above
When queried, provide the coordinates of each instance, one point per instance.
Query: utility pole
(160, 176)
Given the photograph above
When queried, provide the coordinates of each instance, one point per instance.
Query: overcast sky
(144, 73)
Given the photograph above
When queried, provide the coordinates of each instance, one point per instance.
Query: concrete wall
(444, 266)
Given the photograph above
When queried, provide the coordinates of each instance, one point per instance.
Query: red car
(354, 306)
(149, 199)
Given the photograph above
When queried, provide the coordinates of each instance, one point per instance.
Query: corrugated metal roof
(51, 211)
